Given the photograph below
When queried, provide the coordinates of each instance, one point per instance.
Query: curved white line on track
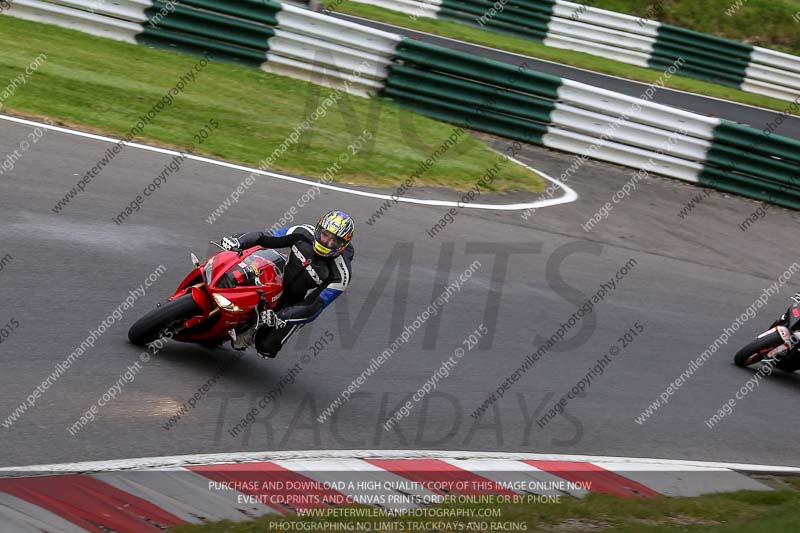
(179, 461)
(568, 196)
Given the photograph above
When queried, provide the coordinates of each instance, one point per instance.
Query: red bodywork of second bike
(218, 318)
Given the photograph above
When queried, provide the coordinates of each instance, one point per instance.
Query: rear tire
(152, 325)
(759, 346)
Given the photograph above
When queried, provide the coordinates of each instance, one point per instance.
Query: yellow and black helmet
(333, 233)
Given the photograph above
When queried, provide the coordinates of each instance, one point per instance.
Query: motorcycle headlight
(225, 303)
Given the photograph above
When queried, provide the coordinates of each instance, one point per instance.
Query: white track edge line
(569, 194)
(177, 462)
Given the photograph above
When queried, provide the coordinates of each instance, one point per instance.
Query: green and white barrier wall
(454, 87)
(625, 38)
(275, 37)
(594, 123)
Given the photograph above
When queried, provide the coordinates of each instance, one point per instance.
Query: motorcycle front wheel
(155, 323)
(756, 350)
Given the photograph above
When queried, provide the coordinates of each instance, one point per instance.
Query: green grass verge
(767, 23)
(104, 86)
(463, 32)
(740, 512)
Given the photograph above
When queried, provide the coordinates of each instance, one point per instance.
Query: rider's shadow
(242, 368)
(787, 380)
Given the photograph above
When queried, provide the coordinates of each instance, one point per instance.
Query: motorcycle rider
(318, 271)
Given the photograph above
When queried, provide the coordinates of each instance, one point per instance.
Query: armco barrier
(455, 87)
(275, 37)
(622, 37)
(594, 123)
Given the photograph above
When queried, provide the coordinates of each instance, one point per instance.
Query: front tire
(756, 350)
(152, 325)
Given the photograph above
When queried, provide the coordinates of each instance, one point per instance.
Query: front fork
(790, 342)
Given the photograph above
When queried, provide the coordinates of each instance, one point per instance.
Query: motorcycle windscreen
(263, 268)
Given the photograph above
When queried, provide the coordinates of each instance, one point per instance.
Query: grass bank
(463, 32)
(105, 86)
(768, 23)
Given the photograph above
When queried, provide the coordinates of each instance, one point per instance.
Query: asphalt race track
(692, 277)
(755, 117)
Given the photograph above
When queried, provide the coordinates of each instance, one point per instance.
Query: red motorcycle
(219, 300)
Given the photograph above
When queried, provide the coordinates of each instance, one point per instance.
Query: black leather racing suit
(311, 282)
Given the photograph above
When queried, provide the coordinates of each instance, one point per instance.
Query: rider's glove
(271, 319)
(231, 243)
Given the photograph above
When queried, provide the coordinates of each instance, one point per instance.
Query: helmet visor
(329, 240)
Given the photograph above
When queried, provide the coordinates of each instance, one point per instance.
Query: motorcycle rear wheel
(153, 325)
(756, 350)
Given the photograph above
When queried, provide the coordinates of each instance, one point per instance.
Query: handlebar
(218, 245)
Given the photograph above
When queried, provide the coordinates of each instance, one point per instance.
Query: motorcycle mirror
(218, 245)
